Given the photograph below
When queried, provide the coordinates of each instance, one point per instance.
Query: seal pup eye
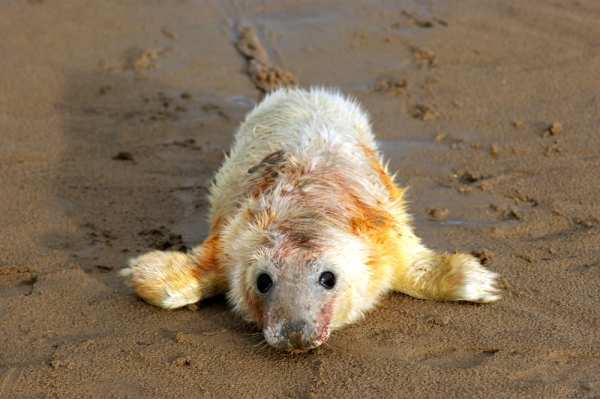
(264, 283)
(327, 280)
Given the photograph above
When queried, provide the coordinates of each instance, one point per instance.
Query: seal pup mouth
(295, 336)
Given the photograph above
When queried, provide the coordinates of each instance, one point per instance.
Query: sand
(115, 114)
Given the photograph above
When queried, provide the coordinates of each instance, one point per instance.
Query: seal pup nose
(296, 340)
(294, 331)
(295, 326)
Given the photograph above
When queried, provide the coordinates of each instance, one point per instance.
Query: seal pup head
(298, 276)
(297, 297)
(300, 265)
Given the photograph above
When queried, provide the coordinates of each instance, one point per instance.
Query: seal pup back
(308, 229)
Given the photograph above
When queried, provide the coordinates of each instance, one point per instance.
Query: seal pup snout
(295, 331)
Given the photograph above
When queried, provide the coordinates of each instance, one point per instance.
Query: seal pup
(308, 229)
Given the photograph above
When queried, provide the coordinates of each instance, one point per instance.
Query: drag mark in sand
(265, 76)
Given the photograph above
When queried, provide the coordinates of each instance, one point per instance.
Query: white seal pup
(308, 229)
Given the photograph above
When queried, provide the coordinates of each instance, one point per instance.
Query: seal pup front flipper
(171, 280)
(448, 277)
(418, 271)
(399, 259)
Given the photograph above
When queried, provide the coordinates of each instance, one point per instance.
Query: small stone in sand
(484, 256)
(424, 57)
(494, 150)
(464, 190)
(423, 112)
(553, 130)
(440, 321)
(438, 213)
(123, 156)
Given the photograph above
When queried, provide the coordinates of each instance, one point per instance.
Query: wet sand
(115, 114)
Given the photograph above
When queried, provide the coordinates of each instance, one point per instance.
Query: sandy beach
(114, 115)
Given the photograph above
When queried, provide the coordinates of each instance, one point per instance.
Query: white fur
(480, 284)
(330, 179)
(166, 276)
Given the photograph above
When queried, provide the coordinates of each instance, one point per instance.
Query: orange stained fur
(208, 269)
(381, 233)
(303, 185)
(395, 192)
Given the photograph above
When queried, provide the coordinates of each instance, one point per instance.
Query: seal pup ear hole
(264, 283)
(327, 280)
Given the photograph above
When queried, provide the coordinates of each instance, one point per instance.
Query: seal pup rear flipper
(172, 280)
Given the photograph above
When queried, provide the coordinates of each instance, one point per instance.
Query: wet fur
(304, 190)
